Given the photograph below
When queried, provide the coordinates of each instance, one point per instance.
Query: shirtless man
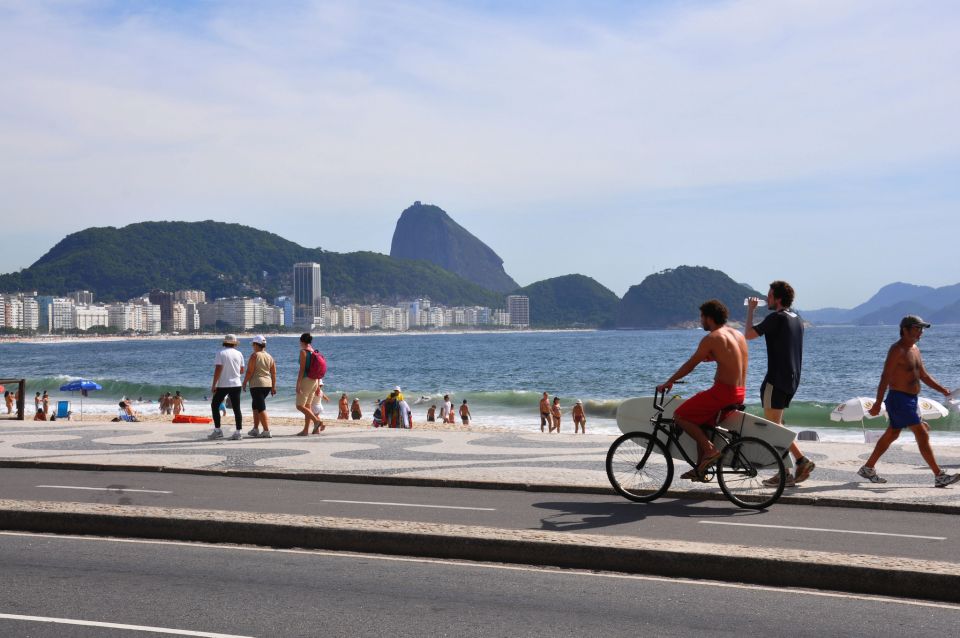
(344, 408)
(465, 413)
(902, 373)
(545, 416)
(177, 403)
(728, 348)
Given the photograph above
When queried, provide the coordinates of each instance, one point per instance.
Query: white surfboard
(634, 415)
(758, 427)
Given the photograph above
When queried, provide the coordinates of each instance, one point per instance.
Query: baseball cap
(260, 339)
(913, 320)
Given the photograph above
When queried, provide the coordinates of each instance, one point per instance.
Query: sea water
(502, 375)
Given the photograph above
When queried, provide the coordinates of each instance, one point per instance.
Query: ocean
(502, 375)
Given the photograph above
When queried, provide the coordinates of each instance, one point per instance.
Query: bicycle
(640, 464)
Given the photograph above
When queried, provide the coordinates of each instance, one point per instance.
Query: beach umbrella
(855, 409)
(930, 409)
(82, 386)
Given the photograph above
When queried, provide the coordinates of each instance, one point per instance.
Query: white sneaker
(871, 475)
(943, 479)
(254, 432)
(236, 436)
(265, 435)
(216, 434)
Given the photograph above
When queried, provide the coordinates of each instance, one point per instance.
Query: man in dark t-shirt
(782, 330)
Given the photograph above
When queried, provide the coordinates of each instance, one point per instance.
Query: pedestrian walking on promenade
(782, 330)
(306, 386)
(900, 382)
(227, 374)
(262, 380)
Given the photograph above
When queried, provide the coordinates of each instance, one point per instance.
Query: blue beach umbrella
(83, 386)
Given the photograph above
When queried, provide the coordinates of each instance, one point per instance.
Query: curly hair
(714, 309)
(783, 291)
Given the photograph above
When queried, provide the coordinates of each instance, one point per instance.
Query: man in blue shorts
(902, 373)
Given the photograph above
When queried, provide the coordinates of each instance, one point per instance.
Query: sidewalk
(493, 460)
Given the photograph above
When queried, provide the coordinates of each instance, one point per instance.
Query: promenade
(484, 459)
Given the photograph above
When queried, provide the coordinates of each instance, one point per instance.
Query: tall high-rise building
(518, 307)
(307, 306)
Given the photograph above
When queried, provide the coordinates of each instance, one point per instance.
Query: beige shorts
(308, 387)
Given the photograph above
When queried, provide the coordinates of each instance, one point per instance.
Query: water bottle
(746, 300)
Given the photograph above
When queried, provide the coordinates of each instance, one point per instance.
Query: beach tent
(82, 386)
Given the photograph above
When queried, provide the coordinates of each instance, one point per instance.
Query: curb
(862, 574)
(412, 481)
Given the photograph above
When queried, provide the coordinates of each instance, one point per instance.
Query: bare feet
(304, 433)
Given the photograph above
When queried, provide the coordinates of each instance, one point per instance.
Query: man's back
(728, 348)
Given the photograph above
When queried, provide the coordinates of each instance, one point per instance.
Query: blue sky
(814, 141)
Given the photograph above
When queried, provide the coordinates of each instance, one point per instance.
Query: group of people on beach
(550, 415)
(782, 328)
(446, 412)
(232, 376)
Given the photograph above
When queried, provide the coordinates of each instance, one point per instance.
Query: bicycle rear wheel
(751, 473)
(639, 467)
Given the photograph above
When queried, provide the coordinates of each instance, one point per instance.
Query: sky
(807, 140)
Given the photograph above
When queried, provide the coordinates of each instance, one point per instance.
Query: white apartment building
(3, 312)
(61, 315)
(501, 317)
(178, 319)
(237, 312)
(134, 317)
(13, 315)
(86, 317)
(31, 314)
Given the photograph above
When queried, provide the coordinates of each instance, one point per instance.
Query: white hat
(397, 388)
(230, 340)
(579, 401)
(260, 339)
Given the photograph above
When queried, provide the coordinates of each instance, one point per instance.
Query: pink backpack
(316, 364)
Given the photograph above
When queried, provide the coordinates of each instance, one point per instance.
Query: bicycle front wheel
(751, 473)
(639, 467)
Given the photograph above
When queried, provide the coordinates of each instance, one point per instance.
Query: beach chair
(123, 416)
(63, 410)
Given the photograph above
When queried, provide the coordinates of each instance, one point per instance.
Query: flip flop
(707, 462)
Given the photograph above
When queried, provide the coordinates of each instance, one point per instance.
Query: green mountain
(225, 260)
(428, 232)
(570, 301)
(672, 298)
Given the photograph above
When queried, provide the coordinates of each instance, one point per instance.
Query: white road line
(103, 489)
(439, 507)
(559, 571)
(824, 529)
(111, 625)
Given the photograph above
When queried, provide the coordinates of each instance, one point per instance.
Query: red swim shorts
(703, 407)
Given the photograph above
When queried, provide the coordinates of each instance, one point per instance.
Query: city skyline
(816, 132)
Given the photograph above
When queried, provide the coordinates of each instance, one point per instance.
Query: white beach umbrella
(930, 409)
(855, 409)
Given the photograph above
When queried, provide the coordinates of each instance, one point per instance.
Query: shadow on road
(574, 516)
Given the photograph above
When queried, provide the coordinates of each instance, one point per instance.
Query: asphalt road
(245, 591)
(850, 530)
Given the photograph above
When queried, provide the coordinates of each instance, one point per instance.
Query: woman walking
(262, 379)
(306, 387)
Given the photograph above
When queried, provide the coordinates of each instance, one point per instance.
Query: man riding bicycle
(728, 348)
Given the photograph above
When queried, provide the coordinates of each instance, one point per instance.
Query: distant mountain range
(431, 256)
(892, 302)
